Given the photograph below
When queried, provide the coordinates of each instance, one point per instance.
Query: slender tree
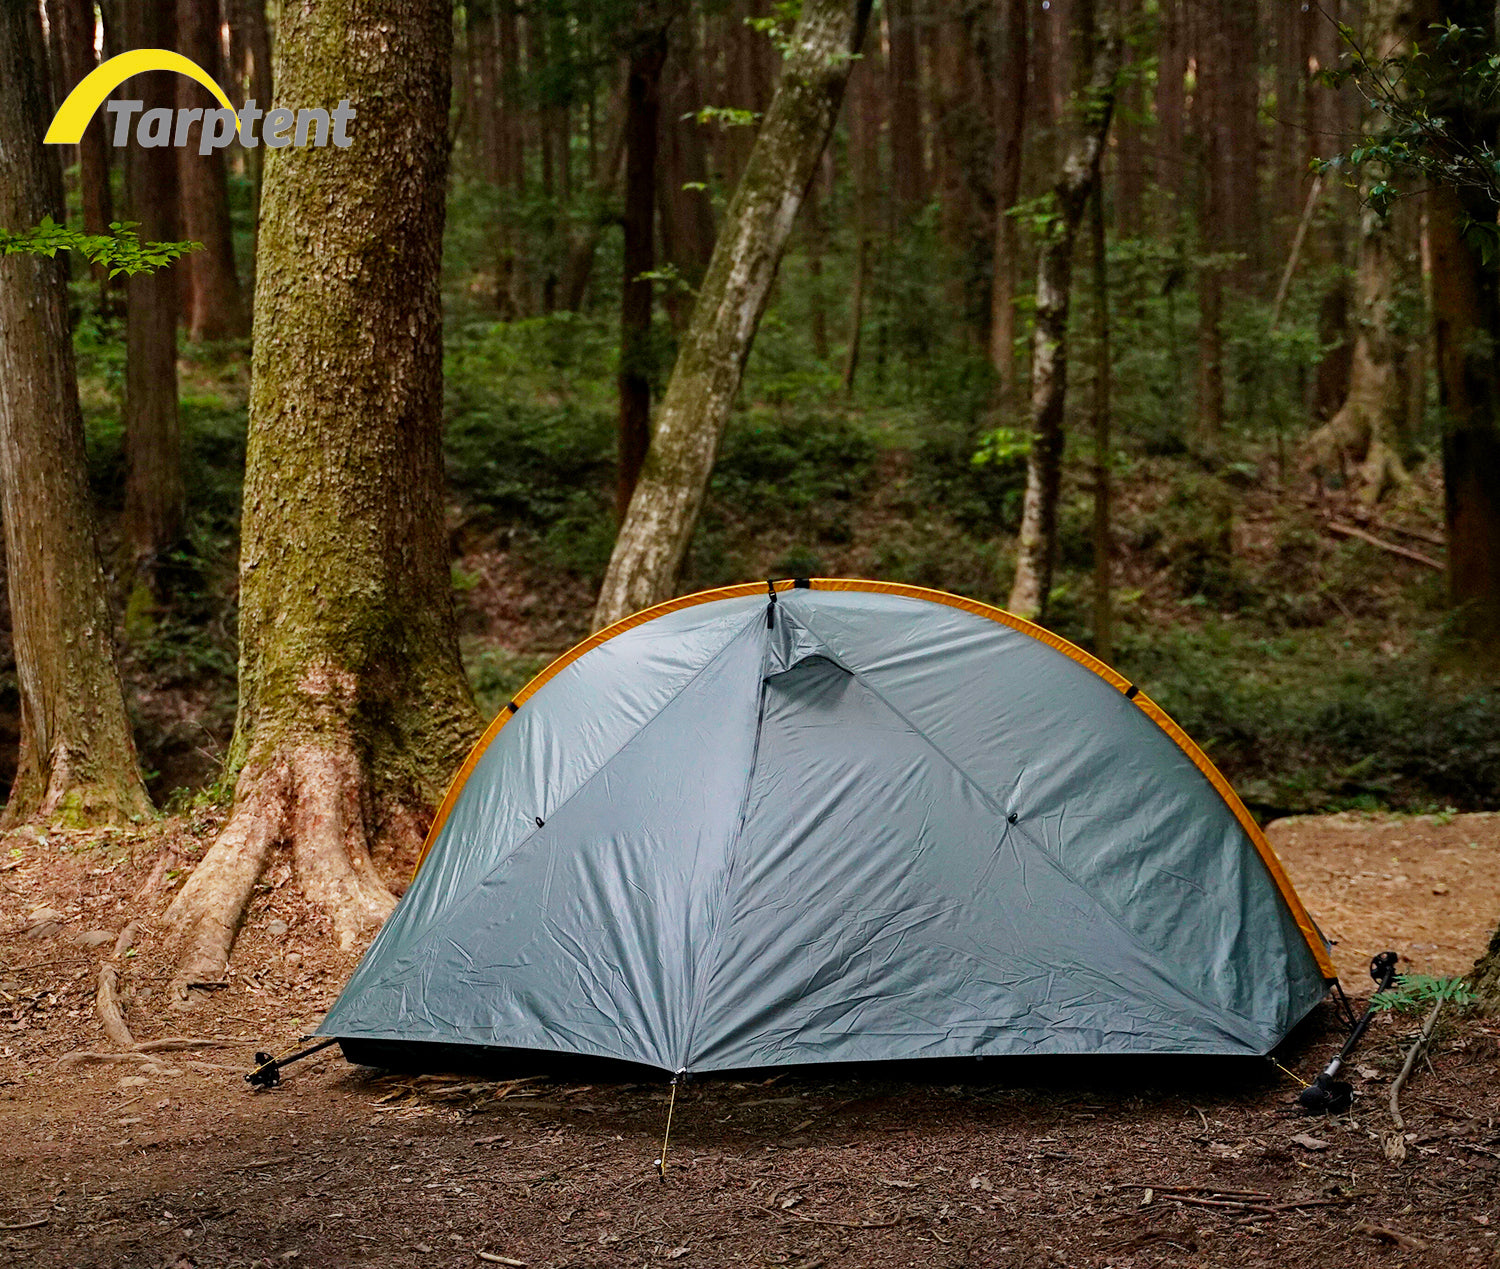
(216, 308)
(1010, 99)
(1103, 530)
(353, 706)
(642, 110)
(154, 491)
(664, 511)
(1096, 70)
(77, 762)
(76, 32)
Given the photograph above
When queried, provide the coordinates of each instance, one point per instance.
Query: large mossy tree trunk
(77, 761)
(1097, 71)
(353, 706)
(654, 537)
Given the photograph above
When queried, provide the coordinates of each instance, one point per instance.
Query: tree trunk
(154, 491)
(79, 59)
(664, 511)
(686, 210)
(217, 307)
(1328, 250)
(1096, 70)
(864, 162)
(1130, 174)
(77, 762)
(642, 110)
(1369, 426)
(255, 35)
(1466, 321)
(578, 268)
(1211, 106)
(908, 169)
(1103, 616)
(1171, 108)
(353, 706)
(1010, 136)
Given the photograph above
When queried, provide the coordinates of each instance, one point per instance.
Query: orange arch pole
(1149, 707)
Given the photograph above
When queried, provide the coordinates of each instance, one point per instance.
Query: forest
(1169, 326)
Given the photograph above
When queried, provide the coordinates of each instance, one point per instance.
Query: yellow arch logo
(74, 114)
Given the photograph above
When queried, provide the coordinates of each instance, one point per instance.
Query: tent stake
(661, 1163)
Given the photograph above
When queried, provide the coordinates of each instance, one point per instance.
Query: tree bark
(77, 40)
(77, 763)
(154, 491)
(216, 309)
(864, 161)
(683, 202)
(1212, 99)
(1466, 321)
(353, 707)
(642, 111)
(908, 166)
(664, 511)
(1010, 136)
(1171, 108)
(1103, 614)
(249, 16)
(1097, 68)
(1369, 426)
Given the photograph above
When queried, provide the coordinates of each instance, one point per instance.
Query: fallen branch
(1405, 552)
(45, 1220)
(1382, 1234)
(1411, 1061)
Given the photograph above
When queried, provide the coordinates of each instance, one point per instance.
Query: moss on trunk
(353, 709)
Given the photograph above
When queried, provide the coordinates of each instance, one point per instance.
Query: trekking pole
(1328, 1094)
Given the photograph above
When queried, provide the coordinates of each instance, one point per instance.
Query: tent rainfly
(840, 822)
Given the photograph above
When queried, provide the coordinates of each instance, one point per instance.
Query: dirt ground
(171, 1160)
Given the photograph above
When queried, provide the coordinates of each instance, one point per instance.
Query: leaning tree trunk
(353, 705)
(664, 511)
(77, 762)
(1099, 60)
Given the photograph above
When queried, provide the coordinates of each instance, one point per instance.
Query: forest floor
(169, 1160)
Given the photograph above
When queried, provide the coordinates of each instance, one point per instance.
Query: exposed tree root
(1356, 435)
(317, 803)
(210, 907)
(107, 1005)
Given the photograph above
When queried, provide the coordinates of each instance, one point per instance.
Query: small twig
(45, 1220)
(1405, 552)
(1395, 1236)
(1411, 1061)
(824, 1220)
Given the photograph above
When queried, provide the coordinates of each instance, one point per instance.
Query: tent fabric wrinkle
(845, 821)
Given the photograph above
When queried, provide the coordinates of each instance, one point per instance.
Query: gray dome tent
(845, 821)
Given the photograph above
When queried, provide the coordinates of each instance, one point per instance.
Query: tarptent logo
(280, 127)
